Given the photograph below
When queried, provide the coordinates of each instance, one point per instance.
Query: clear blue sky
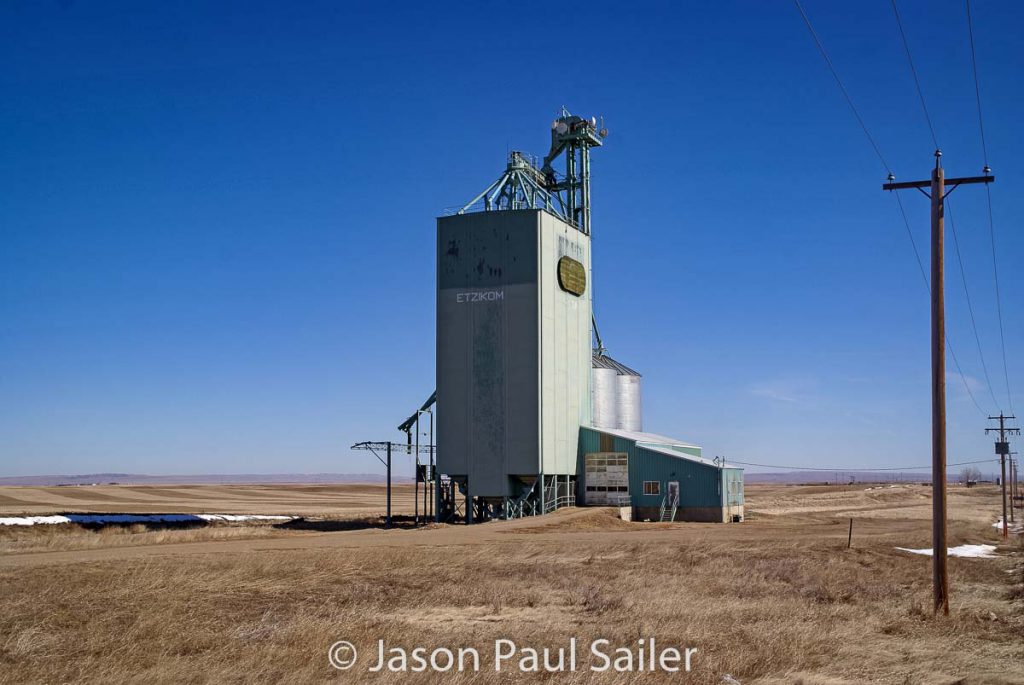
(218, 219)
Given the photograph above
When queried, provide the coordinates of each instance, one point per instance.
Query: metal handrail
(665, 504)
(559, 502)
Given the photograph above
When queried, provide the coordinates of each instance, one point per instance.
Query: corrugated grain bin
(628, 397)
(604, 401)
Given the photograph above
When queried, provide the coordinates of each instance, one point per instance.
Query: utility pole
(1013, 483)
(387, 522)
(937, 186)
(416, 478)
(1016, 483)
(430, 458)
(386, 447)
(1003, 450)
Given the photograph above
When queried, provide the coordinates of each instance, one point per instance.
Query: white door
(673, 493)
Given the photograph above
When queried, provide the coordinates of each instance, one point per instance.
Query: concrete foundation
(695, 514)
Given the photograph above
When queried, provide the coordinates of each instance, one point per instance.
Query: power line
(913, 243)
(937, 183)
(939, 339)
(956, 362)
(913, 70)
(881, 158)
(999, 305)
(988, 197)
(859, 470)
(839, 82)
(977, 87)
(956, 239)
(928, 288)
(970, 307)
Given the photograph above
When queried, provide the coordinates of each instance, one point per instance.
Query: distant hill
(200, 479)
(792, 477)
(840, 477)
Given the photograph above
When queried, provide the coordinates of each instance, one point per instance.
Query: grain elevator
(522, 374)
(514, 331)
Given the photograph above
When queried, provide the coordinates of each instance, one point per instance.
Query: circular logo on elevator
(572, 277)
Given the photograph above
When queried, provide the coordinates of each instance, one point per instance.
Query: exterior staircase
(668, 509)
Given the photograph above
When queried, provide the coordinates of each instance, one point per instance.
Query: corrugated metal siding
(513, 348)
(487, 353)
(565, 348)
(603, 397)
(732, 497)
(627, 399)
(700, 485)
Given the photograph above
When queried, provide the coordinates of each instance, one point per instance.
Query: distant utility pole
(1013, 483)
(1016, 481)
(937, 185)
(1003, 450)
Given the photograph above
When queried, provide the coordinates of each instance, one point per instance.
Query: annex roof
(663, 445)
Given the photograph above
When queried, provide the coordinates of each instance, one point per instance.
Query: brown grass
(71, 537)
(776, 602)
(298, 500)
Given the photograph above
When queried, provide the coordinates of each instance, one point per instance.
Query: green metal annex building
(661, 479)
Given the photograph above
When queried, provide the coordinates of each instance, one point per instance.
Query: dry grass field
(776, 599)
(296, 500)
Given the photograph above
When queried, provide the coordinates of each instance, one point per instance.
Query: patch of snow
(967, 551)
(1013, 527)
(32, 520)
(134, 518)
